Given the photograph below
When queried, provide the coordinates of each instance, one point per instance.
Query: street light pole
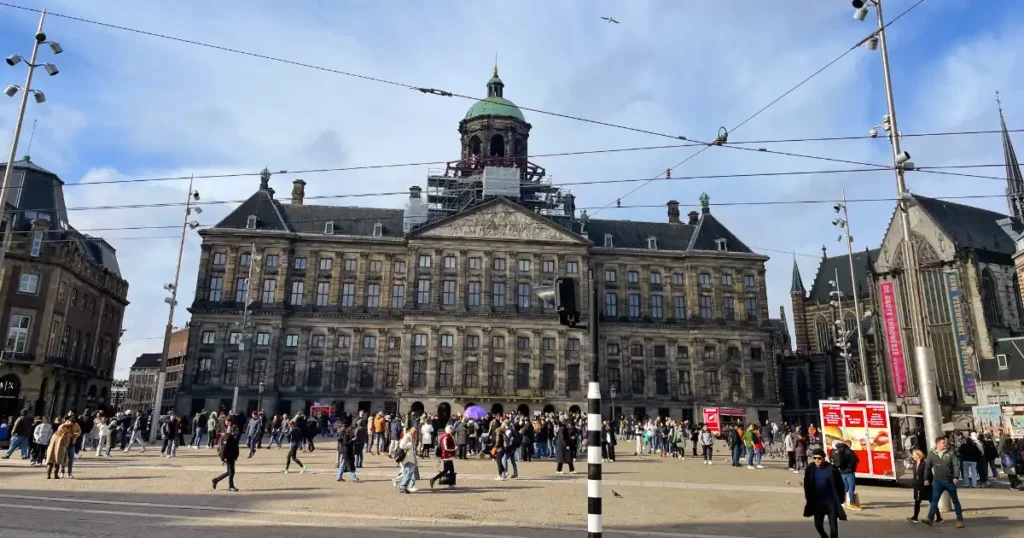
(861, 353)
(595, 521)
(254, 260)
(154, 421)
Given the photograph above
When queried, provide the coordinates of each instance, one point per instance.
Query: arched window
(475, 146)
(989, 299)
(497, 147)
(823, 330)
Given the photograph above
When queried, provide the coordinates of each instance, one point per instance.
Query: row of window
(30, 284)
(420, 341)
(657, 310)
(71, 344)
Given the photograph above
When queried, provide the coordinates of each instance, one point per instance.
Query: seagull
(610, 20)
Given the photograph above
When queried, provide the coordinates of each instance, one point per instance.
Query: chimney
(673, 211)
(298, 191)
(414, 192)
(692, 216)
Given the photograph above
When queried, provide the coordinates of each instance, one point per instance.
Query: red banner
(711, 420)
(864, 427)
(893, 338)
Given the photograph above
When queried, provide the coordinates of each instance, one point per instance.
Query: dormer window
(652, 243)
(720, 245)
(608, 241)
(329, 227)
(250, 223)
(378, 230)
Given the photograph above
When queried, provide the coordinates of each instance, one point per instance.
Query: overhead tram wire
(764, 108)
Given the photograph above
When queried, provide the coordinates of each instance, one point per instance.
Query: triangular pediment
(499, 220)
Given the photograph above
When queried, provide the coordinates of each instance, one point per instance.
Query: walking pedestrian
(922, 491)
(347, 453)
(42, 435)
(844, 459)
(252, 432)
(563, 450)
(942, 472)
(707, 444)
(448, 453)
(21, 434)
(135, 434)
(823, 493)
(295, 436)
(229, 455)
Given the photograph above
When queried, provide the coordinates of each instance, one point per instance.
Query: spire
(1014, 179)
(495, 87)
(798, 282)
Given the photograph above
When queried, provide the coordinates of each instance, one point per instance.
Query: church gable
(499, 220)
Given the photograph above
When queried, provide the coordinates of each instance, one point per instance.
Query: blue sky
(127, 106)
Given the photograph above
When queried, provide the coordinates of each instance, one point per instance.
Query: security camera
(51, 69)
(909, 165)
(873, 43)
(839, 238)
(14, 60)
(902, 157)
(39, 96)
(199, 210)
(838, 207)
(860, 13)
(41, 37)
(873, 133)
(195, 195)
(55, 47)
(10, 90)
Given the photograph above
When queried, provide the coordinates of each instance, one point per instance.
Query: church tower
(494, 131)
(1014, 179)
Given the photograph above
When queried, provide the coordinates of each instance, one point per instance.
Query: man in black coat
(823, 495)
(228, 455)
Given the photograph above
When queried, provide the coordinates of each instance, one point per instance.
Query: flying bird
(610, 20)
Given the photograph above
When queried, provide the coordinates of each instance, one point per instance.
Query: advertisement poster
(1013, 421)
(711, 420)
(317, 409)
(893, 338)
(960, 336)
(864, 426)
(987, 417)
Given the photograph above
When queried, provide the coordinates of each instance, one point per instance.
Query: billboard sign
(865, 428)
(960, 336)
(1013, 421)
(711, 420)
(893, 338)
(987, 417)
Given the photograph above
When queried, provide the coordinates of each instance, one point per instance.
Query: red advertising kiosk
(865, 428)
(717, 417)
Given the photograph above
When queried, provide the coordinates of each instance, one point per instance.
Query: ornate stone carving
(502, 222)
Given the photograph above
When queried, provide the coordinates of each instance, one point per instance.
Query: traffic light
(565, 296)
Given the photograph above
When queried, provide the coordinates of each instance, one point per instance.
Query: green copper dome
(495, 104)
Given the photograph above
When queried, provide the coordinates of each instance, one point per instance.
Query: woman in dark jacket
(563, 449)
(228, 455)
(347, 453)
(922, 492)
(823, 495)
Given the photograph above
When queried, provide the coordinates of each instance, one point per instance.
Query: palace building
(432, 307)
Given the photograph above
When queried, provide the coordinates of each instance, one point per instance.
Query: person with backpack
(448, 452)
(735, 439)
(228, 453)
(513, 440)
(845, 459)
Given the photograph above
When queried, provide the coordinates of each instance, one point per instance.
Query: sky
(127, 105)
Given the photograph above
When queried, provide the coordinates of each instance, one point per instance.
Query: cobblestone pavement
(143, 494)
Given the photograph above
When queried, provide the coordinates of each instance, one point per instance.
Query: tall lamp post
(262, 386)
(193, 195)
(844, 224)
(611, 392)
(254, 267)
(11, 91)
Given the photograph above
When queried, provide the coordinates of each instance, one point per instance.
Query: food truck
(716, 418)
(866, 428)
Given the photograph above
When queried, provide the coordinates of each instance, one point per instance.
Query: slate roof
(969, 227)
(147, 360)
(1013, 348)
(827, 271)
(670, 236)
(798, 282)
(347, 220)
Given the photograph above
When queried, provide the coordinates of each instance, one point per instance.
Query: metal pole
(245, 320)
(842, 334)
(154, 421)
(862, 355)
(17, 135)
(594, 518)
(924, 361)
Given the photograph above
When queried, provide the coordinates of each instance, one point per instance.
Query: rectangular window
(244, 258)
(241, 290)
(572, 344)
(258, 372)
(748, 281)
(399, 267)
(727, 280)
(351, 265)
(230, 371)
(677, 279)
(637, 380)
(323, 293)
(220, 258)
(394, 343)
(472, 341)
(216, 288)
(572, 268)
(297, 290)
(655, 277)
(473, 297)
(470, 379)
(340, 374)
(315, 374)
(498, 342)
(704, 279)
(54, 338)
(208, 337)
(661, 381)
(758, 383)
(522, 375)
(547, 377)
(751, 309)
(611, 304)
(523, 296)
(728, 308)
(612, 349)
(325, 264)
(234, 338)
(273, 260)
(73, 297)
(498, 264)
(659, 351)
(62, 291)
(269, 290)
(498, 294)
(291, 340)
(475, 263)
(348, 295)
(423, 292)
(373, 295)
(547, 266)
(447, 340)
(636, 350)
(317, 341)
(369, 343)
(424, 260)
(657, 312)
(684, 382)
(547, 343)
(451, 262)
(679, 307)
(615, 379)
(705, 307)
(398, 296)
(419, 373)
(634, 305)
(262, 339)
(711, 385)
(734, 380)
(375, 266)
(523, 343)
(732, 353)
(1001, 362)
(17, 334)
(203, 371)
(299, 263)
(524, 266)
(419, 340)
(448, 292)
(344, 341)
(610, 275)
(633, 277)
(391, 375)
(29, 283)
(572, 377)
(288, 373)
(366, 375)
(445, 374)
(710, 352)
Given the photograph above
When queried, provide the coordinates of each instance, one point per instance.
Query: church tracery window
(989, 298)
(824, 333)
